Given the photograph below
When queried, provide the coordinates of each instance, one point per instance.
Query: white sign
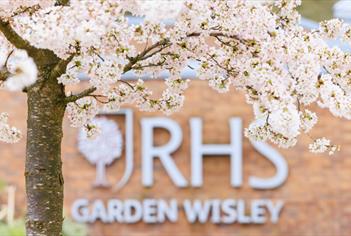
(226, 211)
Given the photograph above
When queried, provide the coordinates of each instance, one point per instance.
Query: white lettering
(228, 208)
(133, 211)
(242, 217)
(258, 211)
(169, 211)
(115, 209)
(149, 151)
(275, 210)
(198, 150)
(80, 211)
(99, 212)
(197, 210)
(277, 160)
(150, 210)
(216, 211)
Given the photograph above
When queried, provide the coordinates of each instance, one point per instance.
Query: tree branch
(60, 67)
(62, 3)
(80, 95)
(143, 54)
(166, 43)
(30, 10)
(4, 74)
(139, 67)
(40, 56)
(127, 83)
(14, 38)
(214, 34)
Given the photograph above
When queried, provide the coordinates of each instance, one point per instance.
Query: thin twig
(127, 83)
(80, 95)
(143, 55)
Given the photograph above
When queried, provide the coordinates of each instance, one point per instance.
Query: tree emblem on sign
(102, 150)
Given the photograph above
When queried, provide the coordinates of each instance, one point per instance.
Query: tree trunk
(44, 181)
(101, 180)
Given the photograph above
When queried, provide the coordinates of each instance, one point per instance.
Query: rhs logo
(102, 150)
(106, 148)
(110, 145)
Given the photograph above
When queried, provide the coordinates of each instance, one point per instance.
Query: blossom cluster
(257, 47)
(22, 69)
(82, 111)
(8, 134)
(323, 145)
(18, 70)
(104, 148)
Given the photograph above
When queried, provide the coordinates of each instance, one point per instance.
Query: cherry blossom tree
(256, 47)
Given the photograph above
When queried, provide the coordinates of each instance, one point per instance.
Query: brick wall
(317, 192)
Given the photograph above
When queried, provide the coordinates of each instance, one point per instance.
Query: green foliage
(3, 185)
(16, 229)
(317, 10)
(70, 228)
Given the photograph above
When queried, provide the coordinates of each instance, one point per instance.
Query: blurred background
(317, 10)
(317, 193)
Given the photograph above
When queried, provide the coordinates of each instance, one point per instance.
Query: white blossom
(92, 130)
(285, 121)
(152, 12)
(82, 111)
(257, 131)
(66, 79)
(23, 71)
(347, 33)
(321, 145)
(308, 120)
(255, 47)
(8, 134)
(331, 28)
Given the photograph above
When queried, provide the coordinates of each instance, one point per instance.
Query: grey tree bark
(43, 169)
